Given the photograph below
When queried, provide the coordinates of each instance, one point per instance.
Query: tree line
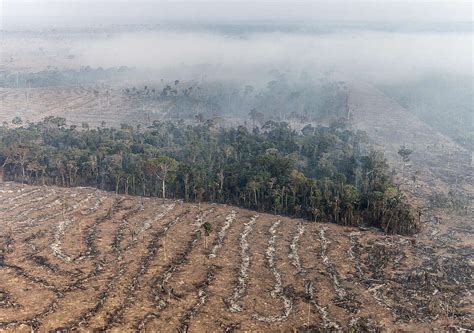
(319, 173)
(297, 99)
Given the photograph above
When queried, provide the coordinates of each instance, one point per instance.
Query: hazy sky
(364, 50)
(332, 10)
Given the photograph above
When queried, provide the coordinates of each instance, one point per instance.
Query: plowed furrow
(294, 255)
(115, 315)
(345, 298)
(221, 236)
(162, 294)
(90, 233)
(98, 269)
(277, 290)
(203, 295)
(37, 204)
(176, 298)
(32, 321)
(160, 289)
(316, 288)
(241, 283)
(226, 267)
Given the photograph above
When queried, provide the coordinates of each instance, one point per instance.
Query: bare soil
(128, 267)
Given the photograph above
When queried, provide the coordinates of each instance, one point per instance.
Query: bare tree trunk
(164, 189)
(23, 174)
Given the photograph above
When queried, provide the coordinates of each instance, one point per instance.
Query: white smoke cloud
(372, 55)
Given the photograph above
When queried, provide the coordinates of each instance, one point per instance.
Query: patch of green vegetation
(322, 173)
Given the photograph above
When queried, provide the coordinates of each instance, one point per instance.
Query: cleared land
(86, 259)
(78, 104)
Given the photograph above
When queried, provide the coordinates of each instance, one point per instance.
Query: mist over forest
(203, 165)
(410, 61)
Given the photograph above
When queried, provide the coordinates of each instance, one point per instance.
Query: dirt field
(88, 260)
(92, 104)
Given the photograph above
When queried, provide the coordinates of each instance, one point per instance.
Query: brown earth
(89, 260)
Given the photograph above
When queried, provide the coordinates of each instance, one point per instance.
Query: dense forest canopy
(319, 173)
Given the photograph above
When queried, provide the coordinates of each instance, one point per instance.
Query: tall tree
(165, 166)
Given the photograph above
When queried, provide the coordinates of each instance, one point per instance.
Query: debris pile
(278, 287)
(239, 290)
(229, 220)
(294, 257)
